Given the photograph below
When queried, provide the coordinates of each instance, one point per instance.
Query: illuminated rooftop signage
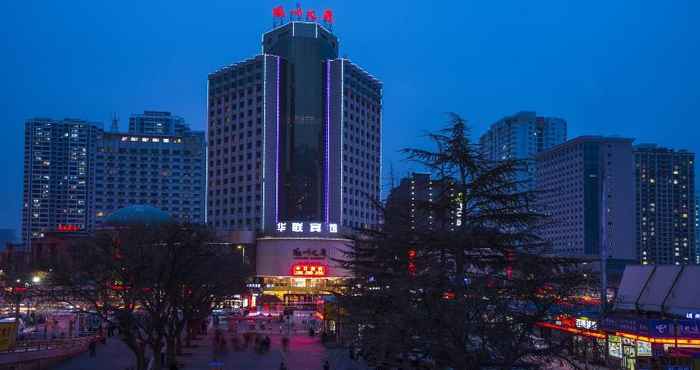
(279, 16)
(306, 227)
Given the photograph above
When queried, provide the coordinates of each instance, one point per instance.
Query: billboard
(301, 257)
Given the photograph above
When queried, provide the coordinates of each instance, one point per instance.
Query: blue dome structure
(138, 215)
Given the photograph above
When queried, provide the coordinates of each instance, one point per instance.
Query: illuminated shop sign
(306, 227)
(68, 228)
(643, 349)
(309, 270)
(615, 345)
(586, 323)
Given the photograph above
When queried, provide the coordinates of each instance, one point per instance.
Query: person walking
(326, 365)
(283, 366)
(93, 348)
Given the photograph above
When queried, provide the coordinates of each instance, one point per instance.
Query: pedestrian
(93, 348)
(173, 366)
(283, 366)
(326, 365)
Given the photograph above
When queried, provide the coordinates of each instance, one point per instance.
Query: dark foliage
(459, 281)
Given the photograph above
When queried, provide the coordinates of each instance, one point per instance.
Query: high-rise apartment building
(408, 200)
(157, 123)
(665, 205)
(59, 173)
(520, 137)
(697, 228)
(586, 186)
(163, 167)
(294, 135)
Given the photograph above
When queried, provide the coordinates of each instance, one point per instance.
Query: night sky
(629, 68)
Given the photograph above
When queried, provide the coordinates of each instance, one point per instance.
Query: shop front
(628, 342)
(585, 341)
(640, 343)
(301, 270)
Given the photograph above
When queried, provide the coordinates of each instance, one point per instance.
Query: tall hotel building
(294, 135)
(59, 174)
(697, 227)
(665, 194)
(294, 150)
(586, 186)
(159, 162)
(520, 137)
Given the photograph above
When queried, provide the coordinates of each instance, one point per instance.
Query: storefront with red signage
(300, 269)
(629, 342)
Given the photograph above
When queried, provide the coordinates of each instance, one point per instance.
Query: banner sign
(653, 328)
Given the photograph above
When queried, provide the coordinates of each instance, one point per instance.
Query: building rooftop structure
(667, 290)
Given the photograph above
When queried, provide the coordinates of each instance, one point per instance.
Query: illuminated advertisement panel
(615, 345)
(308, 270)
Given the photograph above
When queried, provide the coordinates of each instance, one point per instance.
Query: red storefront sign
(68, 228)
(308, 270)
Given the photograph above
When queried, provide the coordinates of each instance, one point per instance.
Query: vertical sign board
(8, 335)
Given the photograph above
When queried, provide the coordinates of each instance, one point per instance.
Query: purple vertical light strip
(328, 132)
(277, 162)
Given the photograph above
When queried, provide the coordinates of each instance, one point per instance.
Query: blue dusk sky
(629, 68)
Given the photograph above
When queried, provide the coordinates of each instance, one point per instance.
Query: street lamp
(242, 249)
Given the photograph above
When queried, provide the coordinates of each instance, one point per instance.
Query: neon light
(296, 12)
(278, 12)
(67, 228)
(311, 270)
(264, 147)
(328, 132)
(587, 333)
(342, 128)
(277, 164)
(311, 15)
(328, 16)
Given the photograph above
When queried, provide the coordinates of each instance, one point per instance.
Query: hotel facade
(294, 157)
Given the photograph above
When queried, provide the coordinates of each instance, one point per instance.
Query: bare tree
(147, 280)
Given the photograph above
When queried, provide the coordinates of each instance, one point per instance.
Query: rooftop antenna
(115, 122)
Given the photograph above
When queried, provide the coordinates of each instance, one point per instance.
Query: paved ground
(305, 353)
(112, 356)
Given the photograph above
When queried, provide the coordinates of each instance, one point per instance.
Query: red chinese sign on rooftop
(297, 14)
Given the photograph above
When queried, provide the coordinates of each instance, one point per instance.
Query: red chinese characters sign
(309, 270)
(68, 228)
(297, 13)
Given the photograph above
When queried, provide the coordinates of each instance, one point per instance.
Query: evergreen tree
(463, 279)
